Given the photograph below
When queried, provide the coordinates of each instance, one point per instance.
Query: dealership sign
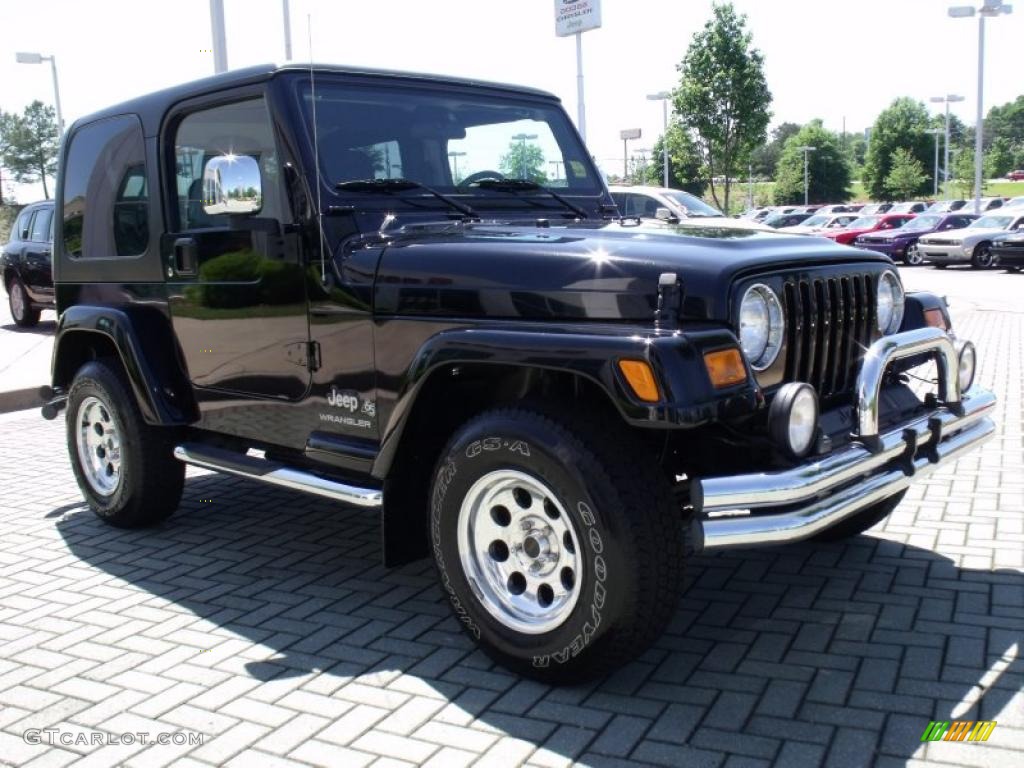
(574, 16)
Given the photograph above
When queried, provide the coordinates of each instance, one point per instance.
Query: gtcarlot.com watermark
(83, 738)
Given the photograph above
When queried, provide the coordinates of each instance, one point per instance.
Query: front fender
(144, 343)
(676, 356)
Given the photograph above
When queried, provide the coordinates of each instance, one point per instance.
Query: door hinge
(305, 353)
(313, 356)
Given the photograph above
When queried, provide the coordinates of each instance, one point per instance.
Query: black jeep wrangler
(414, 294)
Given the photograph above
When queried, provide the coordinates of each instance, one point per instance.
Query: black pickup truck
(414, 294)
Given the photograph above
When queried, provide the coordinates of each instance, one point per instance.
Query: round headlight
(968, 363)
(793, 418)
(890, 303)
(762, 326)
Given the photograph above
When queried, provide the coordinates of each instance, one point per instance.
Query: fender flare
(148, 352)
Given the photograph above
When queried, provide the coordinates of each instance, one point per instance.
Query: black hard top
(152, 107)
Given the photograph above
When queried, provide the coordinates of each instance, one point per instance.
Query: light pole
(36, 58)
(663, 97)
(558, 168)
(455, 164)
(936, 132)
(949, 98)
(287, 30)
(219, 35)
(988, 8)
(523, 138)
(806, 150)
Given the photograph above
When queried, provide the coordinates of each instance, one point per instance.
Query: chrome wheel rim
(17, 301)
(99, 446)
(519, 551)
(914, 256)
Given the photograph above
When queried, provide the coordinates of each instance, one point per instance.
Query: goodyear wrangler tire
(125, 468)
(557, 544)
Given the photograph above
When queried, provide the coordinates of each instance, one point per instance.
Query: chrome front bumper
(822, 492)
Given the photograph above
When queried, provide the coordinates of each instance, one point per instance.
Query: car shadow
(837, 653)
(43, 327)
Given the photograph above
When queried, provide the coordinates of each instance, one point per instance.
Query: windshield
(921, 223)
(817, 221)
(445, 139)
(864, 222)
(993, 222)
(694, 205)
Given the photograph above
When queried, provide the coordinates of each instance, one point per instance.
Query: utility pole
(806, 150)
(663, 97)
(523, 138)
(220, 43)
(949, 98)
(936, 132)
(288, 35)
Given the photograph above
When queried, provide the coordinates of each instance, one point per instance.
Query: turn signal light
(935, 319)
(725, 367)
(641, 378)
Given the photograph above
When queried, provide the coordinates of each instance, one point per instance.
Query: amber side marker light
(935, 319)
(641, 378)
(725, 367)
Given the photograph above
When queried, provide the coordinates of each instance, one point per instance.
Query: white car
(1014, 202)
(674, 206)
(821, 222)
(971, 244)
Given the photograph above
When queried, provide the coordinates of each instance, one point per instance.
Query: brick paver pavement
(263, 620)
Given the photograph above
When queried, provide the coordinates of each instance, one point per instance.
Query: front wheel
(982, 257)
(560, 550)
(125, 468)
(913, 257)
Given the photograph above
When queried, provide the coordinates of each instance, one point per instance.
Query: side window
(41, 225)
(21, 225)
(231, 130)
(131, 207)
(99, 158)
(649, 206)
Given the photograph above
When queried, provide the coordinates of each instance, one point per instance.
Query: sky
(823, 58)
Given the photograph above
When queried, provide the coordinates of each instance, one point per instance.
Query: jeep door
(235, 277)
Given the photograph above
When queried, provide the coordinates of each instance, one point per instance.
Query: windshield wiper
(389, 186)
(522, 185)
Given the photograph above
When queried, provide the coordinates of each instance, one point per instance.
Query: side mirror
(664, 214)
(232, 184)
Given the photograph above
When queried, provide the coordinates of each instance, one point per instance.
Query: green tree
(722, 96)
(963, 173)
(856, 148)
(999, 158)
(30, 145)
(828, 173)
(1006, 121)
(903, 125)
(523, 161)
(684, 162)
(765, 158)
(906, 174)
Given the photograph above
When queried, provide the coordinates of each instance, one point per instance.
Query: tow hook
(55, 402)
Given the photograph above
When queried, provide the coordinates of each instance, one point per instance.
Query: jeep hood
(589, 270)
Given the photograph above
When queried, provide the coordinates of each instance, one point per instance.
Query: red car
(866, 224)
(1015, 175)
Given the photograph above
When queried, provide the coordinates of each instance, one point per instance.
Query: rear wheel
(861, 521)
(982, 256)
(21, 306)
(560, 550)
(125, 468)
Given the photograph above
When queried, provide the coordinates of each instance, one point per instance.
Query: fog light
(968, 361)
(793, 418)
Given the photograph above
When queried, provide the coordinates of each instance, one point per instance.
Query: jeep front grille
(830, 322)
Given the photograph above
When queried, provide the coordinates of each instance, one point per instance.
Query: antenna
(316, 150)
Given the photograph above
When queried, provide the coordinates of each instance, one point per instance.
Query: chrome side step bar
(274, 473)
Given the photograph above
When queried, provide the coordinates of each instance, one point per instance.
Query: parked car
(1017, 175)
(757, 214)
(901, 243)
(987, 204)
(557, 405)
(837, 208)
(26, 263)
(780, 220)
(917, 206)
(1008, 251)
(872, 208)
(1014, 202)
(946, 206)
(672, 206)
(863, 224)
(972, 244)
(820, 222)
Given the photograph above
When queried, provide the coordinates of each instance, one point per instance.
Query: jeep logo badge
(343, 399)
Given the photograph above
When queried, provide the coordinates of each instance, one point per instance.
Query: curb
(20, 399)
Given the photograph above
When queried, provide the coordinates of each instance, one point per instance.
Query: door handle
(185, 256)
